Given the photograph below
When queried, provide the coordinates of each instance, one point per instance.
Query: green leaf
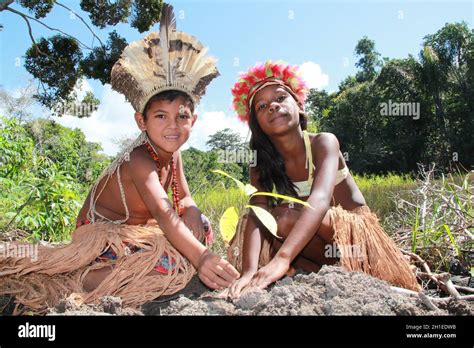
(266, 218)
(228, 223)
(415, 231)
(289, 198)
(246, 188)
(453, 241)
(249, 189)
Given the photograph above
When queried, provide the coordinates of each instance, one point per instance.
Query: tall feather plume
(167, 29)
(164, 60)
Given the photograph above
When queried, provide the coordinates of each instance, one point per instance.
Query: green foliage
(39, 7)
(105, 12)
(54, 62)
(379, 191)
(146, 13)
(46, 170)
(198, 165)
(224, 139)
(369, 59)
(437, 215)
(16, 148)
(57, 62)
(98, 64)
(440, 85)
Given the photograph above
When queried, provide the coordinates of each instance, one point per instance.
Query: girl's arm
(213, 271)
(325, 148)
(253, 240)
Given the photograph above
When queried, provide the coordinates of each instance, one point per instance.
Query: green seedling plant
(229, 220)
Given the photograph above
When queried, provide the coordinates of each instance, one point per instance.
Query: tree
(58, 62)
(440, 85)
(369, 59)
(18, 106)
(224, 139)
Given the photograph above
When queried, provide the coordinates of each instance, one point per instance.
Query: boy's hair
(271, 167)
(170, 96)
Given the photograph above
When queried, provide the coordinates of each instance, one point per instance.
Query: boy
(131, 241)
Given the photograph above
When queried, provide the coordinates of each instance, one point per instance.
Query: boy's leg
(95, 277)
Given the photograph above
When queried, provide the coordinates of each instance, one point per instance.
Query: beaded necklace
(174, 181)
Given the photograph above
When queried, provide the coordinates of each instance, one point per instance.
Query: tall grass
(213, 204)
(379, 191)
(436, 220)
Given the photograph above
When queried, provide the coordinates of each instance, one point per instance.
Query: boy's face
(168, 123)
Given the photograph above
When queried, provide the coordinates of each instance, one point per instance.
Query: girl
(270, 97)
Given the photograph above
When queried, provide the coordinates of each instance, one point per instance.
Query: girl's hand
(215, 272)
(235, 289)
(192, 219)
(275, 270)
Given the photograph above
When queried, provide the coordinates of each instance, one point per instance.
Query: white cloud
(112, 121)
(313, 75)
(209, 123)
(81, 88)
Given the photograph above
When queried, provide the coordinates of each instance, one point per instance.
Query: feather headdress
(263, 75)
(168, 60)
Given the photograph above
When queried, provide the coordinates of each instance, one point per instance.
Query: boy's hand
(215, 272)
(192, 219)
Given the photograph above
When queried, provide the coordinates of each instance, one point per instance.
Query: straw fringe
(372, 251)
(59, 272)
(363, 247)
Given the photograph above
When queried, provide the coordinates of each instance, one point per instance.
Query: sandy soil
(332, 291)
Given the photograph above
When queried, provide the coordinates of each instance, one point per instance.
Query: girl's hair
(270, 165)
(170, 96)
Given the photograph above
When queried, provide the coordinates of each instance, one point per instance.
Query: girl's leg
(320, 249)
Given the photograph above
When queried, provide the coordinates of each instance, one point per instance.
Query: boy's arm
(214, 271)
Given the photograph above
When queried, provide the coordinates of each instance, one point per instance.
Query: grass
(435, 220)
(379, 191)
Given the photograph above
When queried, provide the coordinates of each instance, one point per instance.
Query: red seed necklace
(174, 181)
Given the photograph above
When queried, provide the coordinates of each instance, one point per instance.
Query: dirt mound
(332, 291)
(108, 305)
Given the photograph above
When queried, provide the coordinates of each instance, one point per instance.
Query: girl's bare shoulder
(324, 140)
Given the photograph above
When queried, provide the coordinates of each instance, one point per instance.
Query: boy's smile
(167, 123)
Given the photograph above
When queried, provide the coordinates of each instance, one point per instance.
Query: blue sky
(322, 34)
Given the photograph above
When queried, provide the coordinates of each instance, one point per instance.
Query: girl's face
(276, 110)
(168, 123)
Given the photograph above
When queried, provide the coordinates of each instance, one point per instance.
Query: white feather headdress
(168, 60)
